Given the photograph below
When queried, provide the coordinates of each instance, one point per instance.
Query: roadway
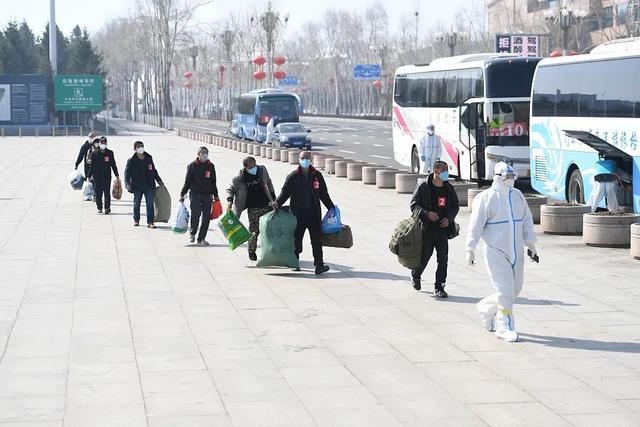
(358, 139)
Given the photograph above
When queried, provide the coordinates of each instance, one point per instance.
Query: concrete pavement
(105, 324)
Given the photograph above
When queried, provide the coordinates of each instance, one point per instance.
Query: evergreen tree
(18, 52)
(83, 58)
(44, 65)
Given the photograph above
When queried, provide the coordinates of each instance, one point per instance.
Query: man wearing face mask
(435, 202)
(307, 189)
(82, 155)
(252, 190)
(102, 163)
(200, 181)
(140, 177)
(502, 219)
(429, 149)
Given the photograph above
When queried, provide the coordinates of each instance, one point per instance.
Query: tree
(83, 58)
(18, 50)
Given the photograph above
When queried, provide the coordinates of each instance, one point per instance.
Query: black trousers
(102, 187)
(437, 239)
(309, 220)
(200, 206)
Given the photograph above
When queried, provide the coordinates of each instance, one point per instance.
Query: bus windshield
(508, 123)
(282, 108)
(510, 79)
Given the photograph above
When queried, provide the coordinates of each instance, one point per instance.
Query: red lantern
(555, 54)
(259, 60)
(279, 75)
(188, 85)
(221, 69)
(188, 74)
(377, 84)
(259, 75)
(279, 60)
(573, 52)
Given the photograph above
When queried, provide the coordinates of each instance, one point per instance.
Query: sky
(93, 14)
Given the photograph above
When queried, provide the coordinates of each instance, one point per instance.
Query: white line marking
(380, 157)
(315, 147)
(357, 143)
(371, 137)
(338, 140)
(347, 151)
(322, 139)
(355, 136)
(378, 145)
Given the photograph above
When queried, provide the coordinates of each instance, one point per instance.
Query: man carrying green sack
(233, 230)
(277, 246)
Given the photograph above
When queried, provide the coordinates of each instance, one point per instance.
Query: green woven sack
(233, 230)
(277, 246)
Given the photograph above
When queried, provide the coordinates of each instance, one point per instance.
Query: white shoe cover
(488, 307)
(505, 326)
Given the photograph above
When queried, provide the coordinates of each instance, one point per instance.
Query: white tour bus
(479, 104)
(585, 108)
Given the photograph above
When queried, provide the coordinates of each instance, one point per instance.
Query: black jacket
(102, 162)
(296, 184)
(200, 178)
(421, 201)
(141, 173)
(82, 155)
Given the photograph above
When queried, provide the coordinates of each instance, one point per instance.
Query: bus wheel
(415, 161)
(575, 190)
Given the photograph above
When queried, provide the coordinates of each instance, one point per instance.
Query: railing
(42, 130)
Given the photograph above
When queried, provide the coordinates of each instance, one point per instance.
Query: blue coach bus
(585, 108)
(257, 107)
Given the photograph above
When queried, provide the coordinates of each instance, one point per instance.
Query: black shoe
(439, 292)
(107, 211)
(99, 210)
(416, 284)
(253, 256)
(322, 269)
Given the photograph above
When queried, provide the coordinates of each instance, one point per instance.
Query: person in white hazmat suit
(606, 180)
(271, 130)
(502, 219)
(429, 149)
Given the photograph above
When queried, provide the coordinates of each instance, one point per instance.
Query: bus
(479, 104)
(586, 108)
(257, 107)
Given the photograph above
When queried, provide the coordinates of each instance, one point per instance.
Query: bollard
(263, 151)
(244, 147)
(284, 155)
(386, 178)
(330, 164)
(608, 231)
(275, 155)
(318, 160)
(354, 171)
(369, 174)
(341, 167)
(268, 152)
(294, 156)
(535, 201)
(635, 241)
(406, 182)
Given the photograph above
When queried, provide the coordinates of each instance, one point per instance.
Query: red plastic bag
(216, 209)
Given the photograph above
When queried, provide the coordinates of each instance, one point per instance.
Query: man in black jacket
(307, 189)
(82, 155)
(102, 162)
(200, 181)
(140, 178)
(435, 202)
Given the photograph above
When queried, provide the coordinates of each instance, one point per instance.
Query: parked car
(291, 135)
(232, 129)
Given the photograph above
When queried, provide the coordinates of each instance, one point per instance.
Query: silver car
(291, 135)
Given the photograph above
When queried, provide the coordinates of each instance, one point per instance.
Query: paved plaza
(104, 324)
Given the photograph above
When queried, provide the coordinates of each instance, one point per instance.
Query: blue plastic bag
(331, 223)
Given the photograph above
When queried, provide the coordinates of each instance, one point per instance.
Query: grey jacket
(237, 192)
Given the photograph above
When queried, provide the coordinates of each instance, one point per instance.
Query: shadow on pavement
(564, 342)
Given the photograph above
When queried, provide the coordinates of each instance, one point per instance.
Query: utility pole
(53, 37)
(194, 55)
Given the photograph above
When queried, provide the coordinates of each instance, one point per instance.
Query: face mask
(204, 157)
(444, 175)
(103, 146)
(305, 163)
(253, 170)
(140, 150)
(509, 182)
(430, 132)
(96, 146)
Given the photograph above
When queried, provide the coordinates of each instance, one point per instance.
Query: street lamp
(193, 52)
(228, 37)
(382, 50)
(566, 17)
(270, 21)
(452, 38)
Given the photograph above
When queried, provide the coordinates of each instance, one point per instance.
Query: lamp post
(382, 50)
(417, 15)
(452, 38)
(566, 17)
(270, 20)
(193, 52)
(228, 37)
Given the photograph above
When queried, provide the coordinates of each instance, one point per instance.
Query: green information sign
(78, 92)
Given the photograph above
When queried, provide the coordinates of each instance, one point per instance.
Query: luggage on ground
(233, 230)
(87, 190)
(277, 248)
(116, 189)
(216, 209)
(406, 242)
(180, 221)
(342, 239)
(76, 180)
(162, 204)
(331, 223)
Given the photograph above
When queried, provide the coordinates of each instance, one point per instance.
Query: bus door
(629, 167)
(472, 137)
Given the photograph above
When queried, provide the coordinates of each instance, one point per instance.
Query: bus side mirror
(308, 130)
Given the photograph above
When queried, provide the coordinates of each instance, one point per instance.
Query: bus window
(416, 90)
(620, 97)
(568, 90)
(544, 92)
(592, 89)
(436, 89)
(451, 88)
(400, 90)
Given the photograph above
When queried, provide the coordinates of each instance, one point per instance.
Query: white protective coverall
(429, 149)
(271, 129)
(502, 218)
(607, 186)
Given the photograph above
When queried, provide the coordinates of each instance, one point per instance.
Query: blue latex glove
(422, 158)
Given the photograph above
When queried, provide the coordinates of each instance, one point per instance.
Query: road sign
(366, 71)
(289, 81)
(23, 99)
(78, 92)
